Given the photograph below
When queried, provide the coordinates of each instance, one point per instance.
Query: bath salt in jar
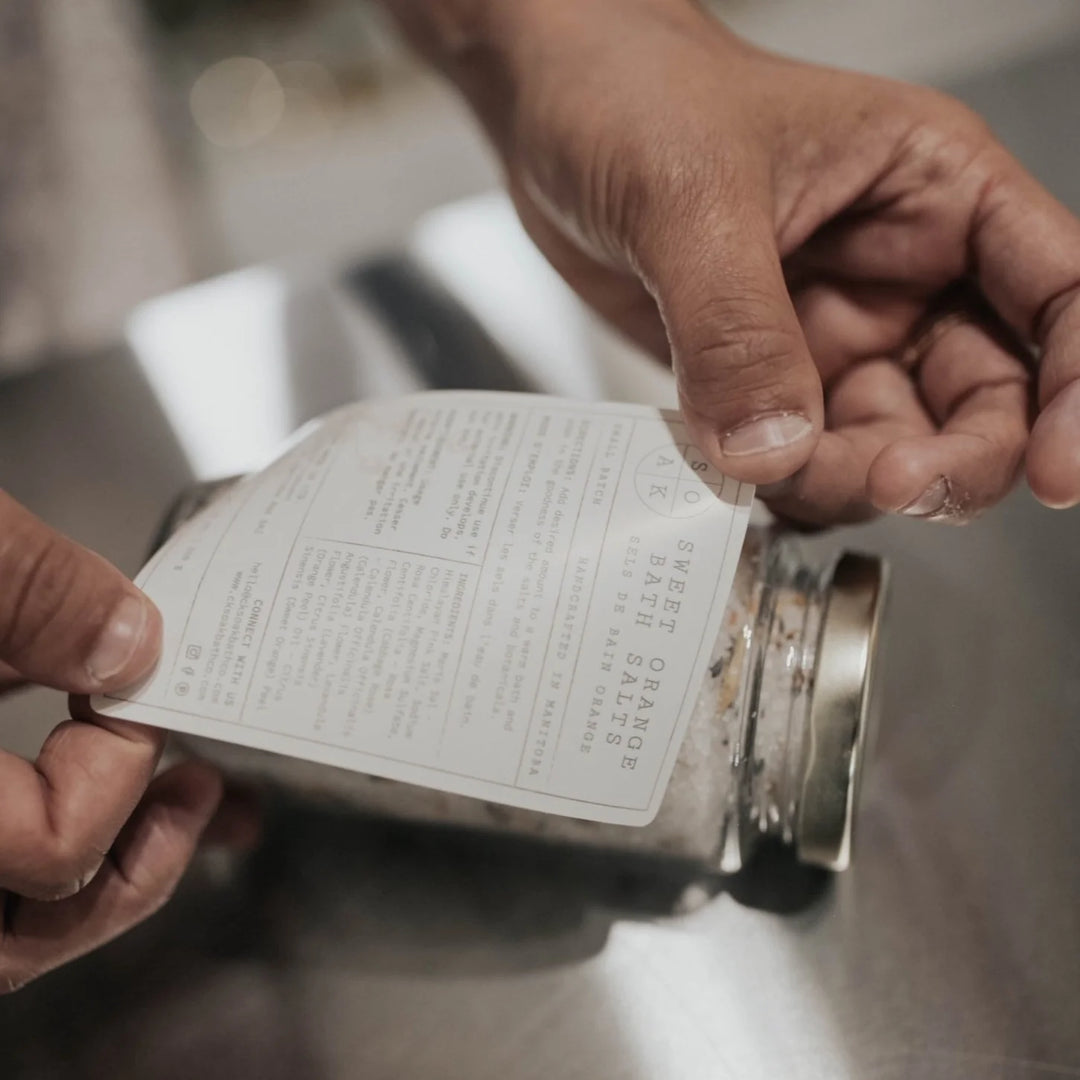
(773, 749)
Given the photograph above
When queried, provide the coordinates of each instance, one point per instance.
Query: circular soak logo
(677, 481)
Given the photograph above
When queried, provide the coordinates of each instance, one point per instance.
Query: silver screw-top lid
(840, 711)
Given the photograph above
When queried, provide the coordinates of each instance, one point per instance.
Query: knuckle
(742, 354)
(942, 112)
(144, 898)
(1058, 316)
(145, 892)
(13, 975)
(952, 144)
(957, 115)
(153, 899)
(39, 573)
(12, 978)
(1004, 448)
(63, 868)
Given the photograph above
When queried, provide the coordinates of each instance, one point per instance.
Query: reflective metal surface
(950, 951)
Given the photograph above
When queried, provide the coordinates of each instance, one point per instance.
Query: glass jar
(773, 749)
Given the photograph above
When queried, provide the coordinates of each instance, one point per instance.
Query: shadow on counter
(347, 889)
(210, 982)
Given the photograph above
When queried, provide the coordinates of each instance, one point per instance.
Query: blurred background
(149, 143)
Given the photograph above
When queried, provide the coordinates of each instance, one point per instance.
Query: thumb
(68, 618)
(748, 388)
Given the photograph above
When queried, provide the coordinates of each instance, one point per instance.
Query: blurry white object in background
(226, 358)
(483, 256)
(480, 252)
(89, 224)
(239, 362)
(214, 355)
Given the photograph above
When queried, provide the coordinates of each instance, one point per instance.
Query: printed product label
(506, 596)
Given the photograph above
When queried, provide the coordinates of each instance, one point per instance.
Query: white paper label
(506, 596)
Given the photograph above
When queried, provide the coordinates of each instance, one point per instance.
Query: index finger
(1026, 248)
(61, 814)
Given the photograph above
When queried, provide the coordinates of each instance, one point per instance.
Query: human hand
(90, 844)
(850, 276)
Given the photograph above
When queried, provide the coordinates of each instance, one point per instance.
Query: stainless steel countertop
(340, 950)
(951, 951)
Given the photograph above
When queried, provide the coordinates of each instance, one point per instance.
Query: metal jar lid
(840, 711)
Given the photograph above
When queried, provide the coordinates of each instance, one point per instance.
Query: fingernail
(766, 433)
(122, 636)
(932, 501)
